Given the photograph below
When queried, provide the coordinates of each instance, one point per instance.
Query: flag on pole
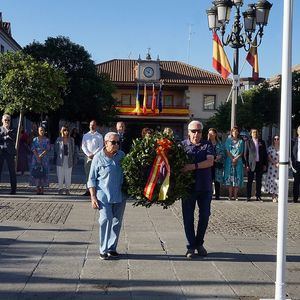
(252, 59)
(137, 101)
(160, 105)
(145, 100)
(220, 60)
(153, 102)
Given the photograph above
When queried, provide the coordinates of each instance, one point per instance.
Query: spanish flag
(145, 100)
(153, 102)
(252, 59)
(220, 60)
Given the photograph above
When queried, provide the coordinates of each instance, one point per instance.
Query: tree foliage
(88, 95)
(27, 85)
(256, 108)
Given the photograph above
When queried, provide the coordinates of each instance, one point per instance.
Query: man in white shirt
(92, 142)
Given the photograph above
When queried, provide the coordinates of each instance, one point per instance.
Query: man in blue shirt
(201, 154)
(105, 186)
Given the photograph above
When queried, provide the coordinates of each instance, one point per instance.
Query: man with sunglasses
(8, 151)
(92, 143)
(105, 185)
(201, 155)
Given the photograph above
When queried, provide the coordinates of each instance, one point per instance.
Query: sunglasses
(66, 130)
(6, 120)
(195, 130)
(115, 142)
(276, 139)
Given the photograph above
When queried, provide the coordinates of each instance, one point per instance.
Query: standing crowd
(212, 163)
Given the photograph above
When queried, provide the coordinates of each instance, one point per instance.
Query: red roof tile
(172, 72)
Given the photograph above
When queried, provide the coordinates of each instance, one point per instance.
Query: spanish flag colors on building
(252, 59)
(145, 100)
(220, 60)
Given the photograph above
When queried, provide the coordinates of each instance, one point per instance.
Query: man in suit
(7, 150)
(125, 141)
(256, 159)
(296, 165)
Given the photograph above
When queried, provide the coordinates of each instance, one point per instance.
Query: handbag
(38, 171)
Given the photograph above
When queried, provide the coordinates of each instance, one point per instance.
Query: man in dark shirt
(125, 141)
(7, 150)
(201, 154)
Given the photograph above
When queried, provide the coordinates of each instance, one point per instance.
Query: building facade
(7, 42)
(187, 92)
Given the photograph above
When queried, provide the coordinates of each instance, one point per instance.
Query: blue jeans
(203, 199)
(110, 221)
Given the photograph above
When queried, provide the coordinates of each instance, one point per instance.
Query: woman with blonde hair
(219, 158)
(64, 151)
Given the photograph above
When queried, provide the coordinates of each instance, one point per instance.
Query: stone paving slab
(60, 261)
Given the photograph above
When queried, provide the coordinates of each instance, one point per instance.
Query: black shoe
(12, 192)
(113, 254)
(202, 251)
(190, 254)
(248, 199)
(103, 256)
(87, 193)
(259, 199)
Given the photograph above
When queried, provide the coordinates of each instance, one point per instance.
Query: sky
(118, 29)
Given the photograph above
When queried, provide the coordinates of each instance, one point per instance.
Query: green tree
(27, 85)
(256, 108)
(89, 95)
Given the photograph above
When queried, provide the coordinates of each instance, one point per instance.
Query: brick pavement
(49, 250)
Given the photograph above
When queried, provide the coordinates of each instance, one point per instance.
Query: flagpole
(285, 116)
(235, 90)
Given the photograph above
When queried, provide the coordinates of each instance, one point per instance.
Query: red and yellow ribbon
(161, 160)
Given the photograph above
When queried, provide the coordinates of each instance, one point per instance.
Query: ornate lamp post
(241, 35)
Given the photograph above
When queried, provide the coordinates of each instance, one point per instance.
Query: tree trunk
(270, 134)
(18, 136)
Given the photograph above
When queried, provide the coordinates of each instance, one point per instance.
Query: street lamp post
(241, 35)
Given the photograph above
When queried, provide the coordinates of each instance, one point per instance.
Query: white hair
(5, 115)
(109, 135)
(195, 122)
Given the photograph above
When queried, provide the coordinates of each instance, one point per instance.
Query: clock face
(148, 72)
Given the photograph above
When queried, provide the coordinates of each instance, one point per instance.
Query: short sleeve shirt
(197, 154)
(106, 175)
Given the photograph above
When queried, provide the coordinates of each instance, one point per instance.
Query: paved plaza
(49, 250)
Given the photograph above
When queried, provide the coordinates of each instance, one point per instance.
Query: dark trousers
(216, 183)
(258, 178)
(10, 161)
(203, 199)
(296, 182)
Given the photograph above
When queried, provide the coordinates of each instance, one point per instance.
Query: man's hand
(188, 167)
(95, 204)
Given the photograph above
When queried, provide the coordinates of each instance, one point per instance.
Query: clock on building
(148, 72)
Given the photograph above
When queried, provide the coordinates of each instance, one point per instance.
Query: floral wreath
(153, 171)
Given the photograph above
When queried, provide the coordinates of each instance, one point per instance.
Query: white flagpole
(285, 117)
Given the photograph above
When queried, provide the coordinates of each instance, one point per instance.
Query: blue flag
(160, 104)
